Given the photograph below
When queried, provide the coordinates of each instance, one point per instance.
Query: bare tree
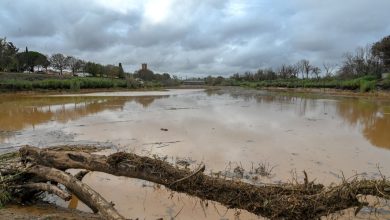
(297, 69)
(381, 50)
(288, 71)
(59, 62)
(112, 71)
(304, 67)
(362, 62)
(316, 72)
(8, 54)
(329, 68)
(282, 71)
(83, 65)
(74, 64)
(294, 70)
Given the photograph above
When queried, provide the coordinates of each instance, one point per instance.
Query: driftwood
(81, 190)
(199, 170)
(25, 182)
(48, 188)
(287, 201)
(80, 175)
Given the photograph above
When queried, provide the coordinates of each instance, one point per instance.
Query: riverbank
(21, 82)
(383, 94)
(365, 86)
(44, 211)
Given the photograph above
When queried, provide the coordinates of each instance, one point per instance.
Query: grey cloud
(196, 37)
(17, 23)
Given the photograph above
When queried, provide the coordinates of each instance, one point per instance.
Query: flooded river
(227, 128)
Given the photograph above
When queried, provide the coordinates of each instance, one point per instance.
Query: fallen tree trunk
(288, 201)
(48, 188)
(81, 190)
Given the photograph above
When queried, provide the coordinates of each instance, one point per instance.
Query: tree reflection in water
(17, 113)
(371, 116)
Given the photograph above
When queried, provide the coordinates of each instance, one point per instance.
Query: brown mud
(44, 211)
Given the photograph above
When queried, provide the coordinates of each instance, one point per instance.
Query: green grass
(367, 86)
(73, 84)
(61, 84)
(26, 82)
(386, 83)
(363, 84)
(29, 76)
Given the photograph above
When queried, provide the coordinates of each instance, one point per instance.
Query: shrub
(386, 82)
(133, 84)
(75, 85)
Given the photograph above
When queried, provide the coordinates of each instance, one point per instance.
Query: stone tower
(144, 66)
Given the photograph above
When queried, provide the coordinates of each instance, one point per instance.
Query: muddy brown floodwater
(326, 136)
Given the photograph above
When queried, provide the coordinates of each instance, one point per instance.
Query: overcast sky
(196, 37)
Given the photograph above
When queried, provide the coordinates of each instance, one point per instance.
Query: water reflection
(371, 116)
(301, 132)
(20, 112)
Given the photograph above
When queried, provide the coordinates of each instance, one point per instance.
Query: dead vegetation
(305, 200)
(263, 169)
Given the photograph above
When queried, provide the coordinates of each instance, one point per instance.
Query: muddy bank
(384, 94)
(44, 211)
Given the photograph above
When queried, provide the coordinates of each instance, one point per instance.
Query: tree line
(11, 60)
(371, 60)
(149, 75)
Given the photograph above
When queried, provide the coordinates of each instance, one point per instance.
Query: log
(199, 170)
(287, 201)
(86, 194)
(80, 175)
(48, 188)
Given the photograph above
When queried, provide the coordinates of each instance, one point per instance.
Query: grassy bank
(27, 82)
(362, 84)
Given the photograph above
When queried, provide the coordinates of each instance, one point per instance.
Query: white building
(83, 74)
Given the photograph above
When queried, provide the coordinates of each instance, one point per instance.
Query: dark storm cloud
(196, 37)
